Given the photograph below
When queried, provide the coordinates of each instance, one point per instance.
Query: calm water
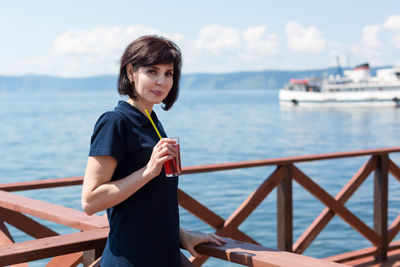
(46, 135)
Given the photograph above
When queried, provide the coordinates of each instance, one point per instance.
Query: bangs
(165, 55)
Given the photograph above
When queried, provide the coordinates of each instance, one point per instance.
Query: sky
(86, 38)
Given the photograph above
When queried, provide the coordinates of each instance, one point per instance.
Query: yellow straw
(152, 122)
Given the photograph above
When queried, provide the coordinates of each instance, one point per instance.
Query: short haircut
(147, 51)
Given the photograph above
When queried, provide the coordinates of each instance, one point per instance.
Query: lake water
(46, 134)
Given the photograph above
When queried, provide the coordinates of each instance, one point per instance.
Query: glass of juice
(173, 166)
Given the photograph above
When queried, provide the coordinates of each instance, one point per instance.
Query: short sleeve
(108, 136)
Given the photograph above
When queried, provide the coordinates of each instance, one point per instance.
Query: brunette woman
(124, 173)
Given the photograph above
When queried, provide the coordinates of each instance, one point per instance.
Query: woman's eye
(169, 74)
(152, 71)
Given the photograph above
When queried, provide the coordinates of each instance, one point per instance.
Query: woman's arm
(98, 193)
(191, 239)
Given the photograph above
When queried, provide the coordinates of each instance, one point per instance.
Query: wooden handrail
(59, 214)
(57, 182)
(52, 246)
(233, 251)
(41, 184)
(258, 256)
(12, 206)
(286, 160)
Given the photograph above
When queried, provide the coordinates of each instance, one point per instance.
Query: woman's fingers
(213, 238)
(216, 239)
(166, 140)
(163, 151)
(166, 146)
(166, 151)
(220, 239)
(169, 148)
(193, 252)
(191, 240)
(165, 159)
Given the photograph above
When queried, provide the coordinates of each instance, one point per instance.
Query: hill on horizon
(271, 79)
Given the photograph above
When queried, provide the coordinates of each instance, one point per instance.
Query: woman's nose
(161, 79)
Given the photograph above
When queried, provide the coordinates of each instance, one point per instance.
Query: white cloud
(370, 36)
(304, 39)
(393, 24)
(374, 46)
(215, 48)
(370, 48)
(98, 40)
(224, 49)
(396, 40)
(258, 43)
(217, 39)
(94, 51)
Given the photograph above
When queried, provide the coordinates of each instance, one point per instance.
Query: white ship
(356, 87)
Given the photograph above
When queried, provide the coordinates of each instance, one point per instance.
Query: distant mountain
(35, 82)
(247, 80)
(273, 79)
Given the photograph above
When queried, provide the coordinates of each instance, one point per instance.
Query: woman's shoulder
(110, 118)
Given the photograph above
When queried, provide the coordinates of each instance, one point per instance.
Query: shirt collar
(134, 114)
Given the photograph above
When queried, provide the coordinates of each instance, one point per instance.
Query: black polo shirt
(144, 229)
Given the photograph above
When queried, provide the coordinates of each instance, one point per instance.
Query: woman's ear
(129, 72)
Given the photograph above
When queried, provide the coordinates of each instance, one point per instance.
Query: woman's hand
(191, 239)
(100, 193)
(163, 151)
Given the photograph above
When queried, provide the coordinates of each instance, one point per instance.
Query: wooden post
(88, 257)
(381, 205)
(285, 211)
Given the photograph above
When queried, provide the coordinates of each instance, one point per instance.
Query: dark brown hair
(146, 51)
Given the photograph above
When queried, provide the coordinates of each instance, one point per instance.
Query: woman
(124, 173)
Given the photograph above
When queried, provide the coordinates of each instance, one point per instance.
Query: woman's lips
(157, 93)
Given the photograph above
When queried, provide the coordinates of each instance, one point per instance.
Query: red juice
(173, 166)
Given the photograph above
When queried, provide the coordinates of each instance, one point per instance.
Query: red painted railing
(248, 251)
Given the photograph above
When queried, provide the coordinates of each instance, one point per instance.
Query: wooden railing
(249, 251)
(282, 177)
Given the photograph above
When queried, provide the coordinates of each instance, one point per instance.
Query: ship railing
(86, 245)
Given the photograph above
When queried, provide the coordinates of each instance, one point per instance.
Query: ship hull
(359, 98)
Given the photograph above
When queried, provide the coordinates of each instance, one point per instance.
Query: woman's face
(153, 83)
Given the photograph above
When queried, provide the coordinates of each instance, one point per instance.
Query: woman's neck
(140, 106)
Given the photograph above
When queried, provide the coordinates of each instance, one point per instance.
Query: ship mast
(339, 68)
